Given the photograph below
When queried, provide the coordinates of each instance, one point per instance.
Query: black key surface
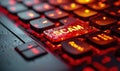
(102, 21)
(16, 8)
(56, 14)
(116, 30)
(42, 7)
(41, 24)
(28, 15)
(101, 40)
(76, 48)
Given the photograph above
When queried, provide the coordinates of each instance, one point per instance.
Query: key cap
(26, 46)
(116, 30)
(102, 21)
(68, 31)
(30, 3)
(76, 48)
(114, 11)
(42, 7)
(58, 2)
(16, 8)
(6, 3)
(69, 20)
(30, 50)
(28, 15)
(101, 40)
(41, 24)
(98, 5)
(33, 53)
(84, 12)
(56, 14)
(70, 6)
(85, 1)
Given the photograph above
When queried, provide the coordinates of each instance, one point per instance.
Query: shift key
(64, 32)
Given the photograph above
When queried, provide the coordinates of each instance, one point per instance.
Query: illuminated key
(102, 21)
(28, 15)
(16, 8)
(70, 6)
(85, 1)
(116, 30)
(69, 20)
(30, 3)
(6, 3)
(56, 14)
(68, 31)
(30, 50)
(41, 24)
(58, 2)
(76, 48)
(84, 12)
(42, 7)
(98, 5)
(101, 40)
(114, 11)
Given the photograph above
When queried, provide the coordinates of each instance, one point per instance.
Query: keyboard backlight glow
(73, 44)
(30, 14)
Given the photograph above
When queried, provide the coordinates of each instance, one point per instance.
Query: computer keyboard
(81, 33)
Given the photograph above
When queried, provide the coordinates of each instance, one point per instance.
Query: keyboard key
(85, 1)
(70, 6)
(116, 30)
(41, 24)
(69, 20)
(16, 8)
(30, 3)
(28, 15)
(114, 11)
(64, 32)
(102, 21)
(89, 68)
(6, 3)
(98, 5)
(26, 46)
(76, 48)
(33, 53)
(58, 2)
(84, 12)
(56, 14)
(101, 40)
(42, 7)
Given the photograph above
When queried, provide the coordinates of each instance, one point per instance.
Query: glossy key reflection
(76, 48)
(84, 12)
(101, 40)
(68, 31)
(85, 1)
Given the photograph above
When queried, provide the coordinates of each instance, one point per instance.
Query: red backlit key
(42, 7)
(102, 21)
(28, 15)
(116, 30)
(98, 5)
(56, 14)
(30, 3)
(84, 12)
(33, 52)
(16, 8)
(76, 48)
(114, 11)
(26, 46)
(30, 50)
(68, 31)
(58, 2)
(41, 24)
(70, 6)
(101, 40)
(6, 3)
(69, 20)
